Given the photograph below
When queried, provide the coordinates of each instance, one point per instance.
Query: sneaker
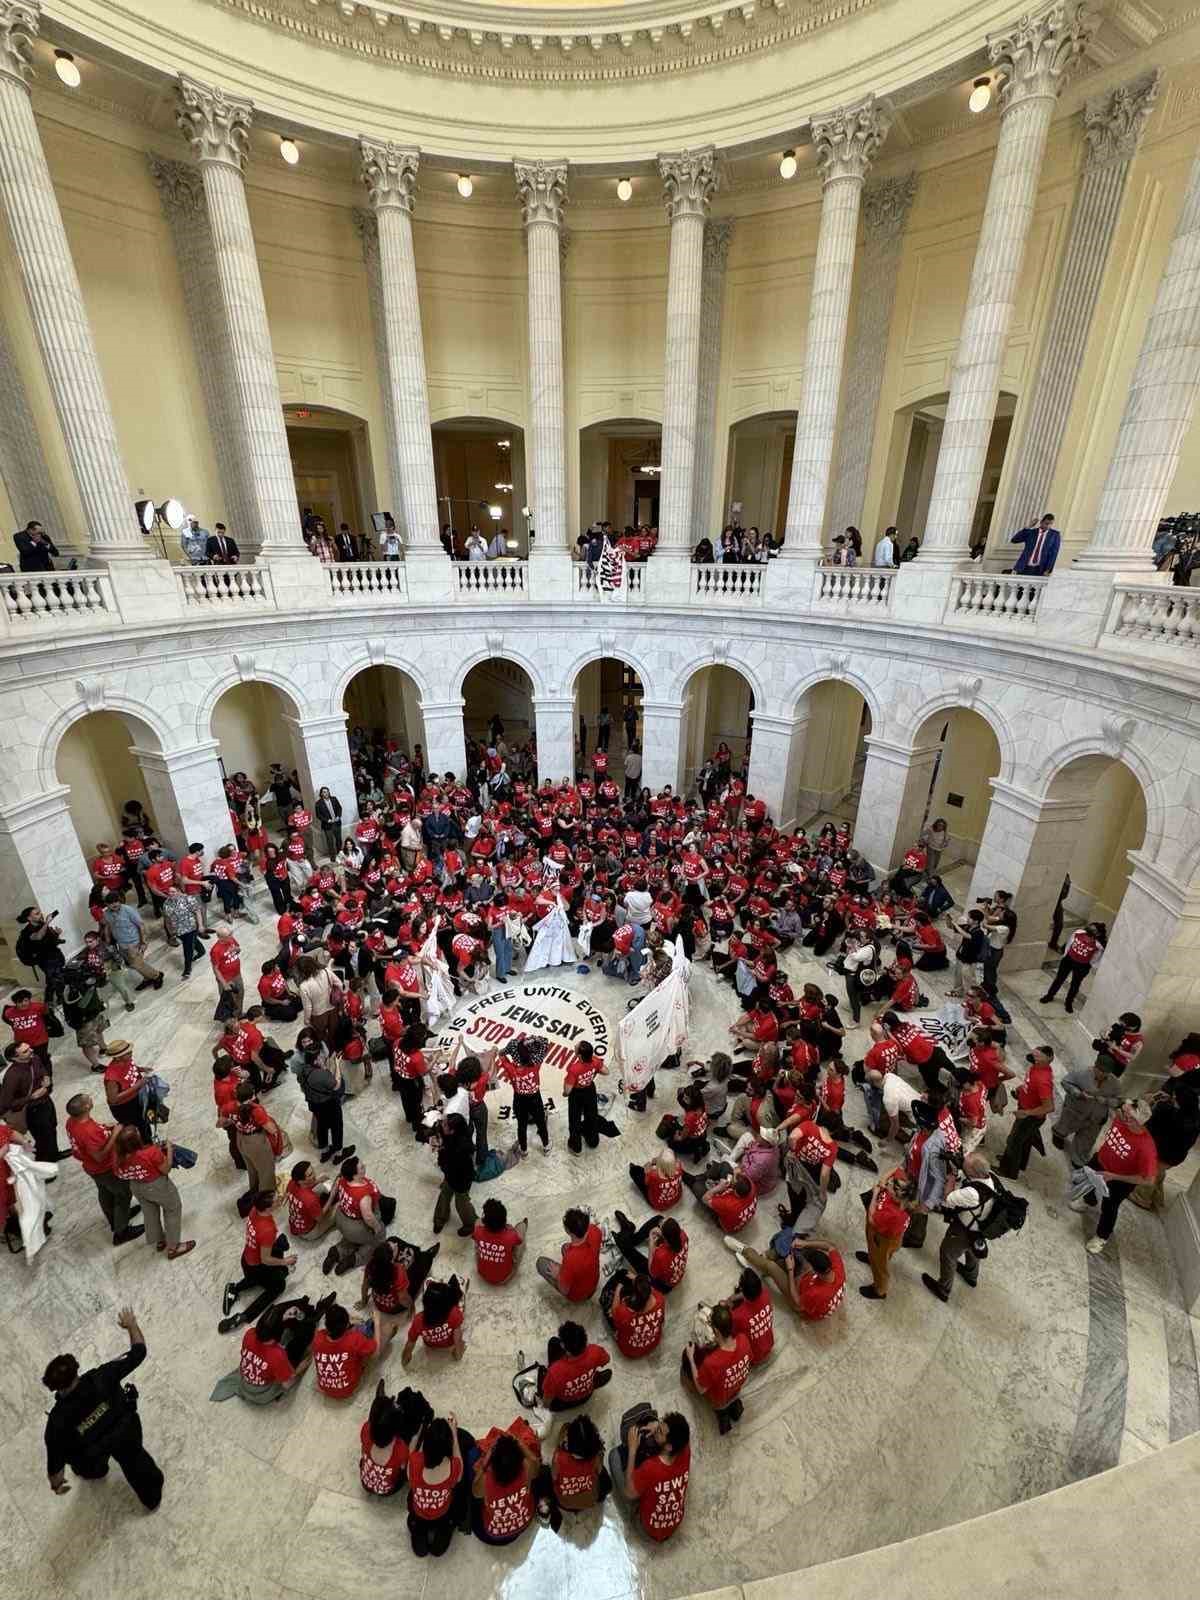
(331, 1256)
(1078, 1205)
(229, 1299)
(935, 1287)
(870, 1292)
(861, 1255)
(228, 1324)
(1094, 1246)
(732, 1244)
(466, 1233)
(545, 1149)
(126, 1235)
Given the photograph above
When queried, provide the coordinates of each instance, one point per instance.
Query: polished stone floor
(886, 1422)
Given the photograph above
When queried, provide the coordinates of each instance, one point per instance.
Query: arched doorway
(96, 761)
(384, 701)
(718, 701)
(479, 465)
(619, 470)
(1113, 826)
(963, 756)
(498, 689)
(912, 466)
(831, 769)
(612, 685)
(758, 472)
(331, 465)
(250, 727)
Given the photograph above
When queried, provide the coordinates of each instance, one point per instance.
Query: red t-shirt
(352, 1192)
(579, 1272)
(339, 1362)
(380, 1477)
(887, 1216)
(818, 1299)
(1037, 1088)
(1128, 1153)
(441, 1335)
(430, 1501)
(261, 1234)
(756, 1320)
(667, 1265)
(661, 1488)
(574, 1377)
(262, 1364)
(524, 1079)
(663, 1193)
(226, 959)
(304, 1208)
(574, 1479)
(882, 1057)
(723, 1372)
(495, 1253)
(87, 1139)
(812, 1144)
(639, 1332)
(144, 1165)
(985, 1061)
(917, 1046)
(28, 1022)
(507, 1509)
(734, 1211)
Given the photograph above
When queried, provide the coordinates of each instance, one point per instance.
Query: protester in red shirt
(339, 1353)
(1035, 1102)
(225, 957)
(753, 1315)
(657, 1460)
(732, 1202)
(265, 1263)
(577, 1273)
(661, 1181)
(580, 1478)
(574, 1368)
(1127, 1156)
(275, 1352)
(718, 1371)
(886, 1224)
(497, 1243)
(310, 1207)
(383, 1449)
(1084, 949)
(636, 1312)
(437, 1497)
(146, 1168)
(812, 1275)
(439, 1323)
(93, 1145)
(508, 1484)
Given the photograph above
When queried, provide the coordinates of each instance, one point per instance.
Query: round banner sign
(544, 1010)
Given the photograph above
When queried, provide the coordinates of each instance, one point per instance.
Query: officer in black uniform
(95, 1419)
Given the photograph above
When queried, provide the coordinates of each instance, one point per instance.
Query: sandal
(181, 1249)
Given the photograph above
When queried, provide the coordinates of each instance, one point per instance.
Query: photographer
(38, 947)
(972, 1187)
(95, 1420)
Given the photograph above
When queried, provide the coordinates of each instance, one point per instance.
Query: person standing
(25, 1102)
(886, 1224)
(633, 767)
(603, 728)
(583, 1107)
(94, 1146)
(1084, 948)
(182, 922)
(226, 959)
(1041, 545)
(147, 1168)
(1126, 1158)
(1000, 926)
(329, 815)
(128, 933)
(456, 1160)
(964, 1202)
(629, 718)
(1035, 1102)
(1090, 1096)
(35, 548)
(222, 551)
(885, 551)
(94, 1420)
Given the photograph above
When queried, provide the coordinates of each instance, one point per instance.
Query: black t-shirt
(85, 1424)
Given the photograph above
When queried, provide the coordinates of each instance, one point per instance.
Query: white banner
(552, 944)
(657, 1027)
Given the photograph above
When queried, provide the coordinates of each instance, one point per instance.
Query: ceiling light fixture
(465, 187)
(68, 72)
(788, 164)
(290, 151)
(981, 94)
(624, 189)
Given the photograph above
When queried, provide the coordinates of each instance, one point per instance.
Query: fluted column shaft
(22, 459)
(56, 305)
(390, 175)
(217, 126)
(1159, 410)
(542, 190)
(367, 227)
(1113, 123)
(688, 181)
(845, 143)
(181, 191)
(717, 238)
(886, 206)
(1035, 54)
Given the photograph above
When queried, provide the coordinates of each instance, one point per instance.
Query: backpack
(1005, 1213)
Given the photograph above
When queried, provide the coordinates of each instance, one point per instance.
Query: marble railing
(845, 588)
(499, 580)
(993, 595)
(732, 585)
(48, 602)
(232, 587)
(368, 582)
(631, 592)
(1151, 614)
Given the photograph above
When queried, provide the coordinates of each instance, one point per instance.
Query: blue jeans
(874, 1099)
(502, 945)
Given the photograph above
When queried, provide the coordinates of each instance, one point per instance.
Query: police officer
(95, 1418)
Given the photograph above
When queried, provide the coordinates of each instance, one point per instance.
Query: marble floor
(889, 1421)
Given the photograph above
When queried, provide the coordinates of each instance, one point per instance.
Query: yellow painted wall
(831, 740)
(95, 763)
(247, 723)
(1116, 824)
(970, 758)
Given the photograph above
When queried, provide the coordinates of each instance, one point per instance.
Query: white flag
(657, 1027)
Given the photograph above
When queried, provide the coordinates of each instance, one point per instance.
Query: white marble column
(664, 745)
(390, 176)
(717, 238)
(56, 305)
(1112, 125)
(886, 204)
(554, 725)
(321, 752)
(187, 797)
(542, 191)
(1158, 410)
(42, 864)
(23, 465)
(1026, 848)
(776, 754)
(181, 191)
(689, 179)
(846, 142)
(1034, 56)
(366, 225)
(892, 803)
(217, 126)
(445, 737)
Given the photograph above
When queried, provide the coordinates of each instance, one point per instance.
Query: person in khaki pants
(888, 1211)
(128, 933)
(258, 1138)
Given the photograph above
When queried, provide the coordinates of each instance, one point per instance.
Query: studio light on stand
(152, 518)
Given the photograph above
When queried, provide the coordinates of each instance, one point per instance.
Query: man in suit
(1041, 548)
(34, 549)
(345, 544)
(222, 551)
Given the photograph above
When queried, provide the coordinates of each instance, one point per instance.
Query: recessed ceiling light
(981, 94)
(465, 187)
(788, 164)
(290, 151)
(624, 189)
(68, 72)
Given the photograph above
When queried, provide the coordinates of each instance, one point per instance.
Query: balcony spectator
(885, 551)
(35, 548)
(498, 549)
(346, 544)
(193, 541)
(222, 551)
(477, 549)
(1040, 548)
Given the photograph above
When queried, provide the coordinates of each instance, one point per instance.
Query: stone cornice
(647, 38)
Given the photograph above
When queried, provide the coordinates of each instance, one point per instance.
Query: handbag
(666, 1125)
(181, 1156)
(53, 1026)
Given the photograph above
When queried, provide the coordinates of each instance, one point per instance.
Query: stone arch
(130, 710)
(373, 657)
(953, 700)
(502, 652)
(1109, 750)
(230, 680)
(843, 674)
(607, 652)
(715, 658)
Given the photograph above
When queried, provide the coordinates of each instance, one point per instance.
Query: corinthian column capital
(542, 191)
(689, 180)
(1037, 53)
(847, 139)
(1113, 122)
(215, 124)
(19, 23)
(179, 184)
(389, 173)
